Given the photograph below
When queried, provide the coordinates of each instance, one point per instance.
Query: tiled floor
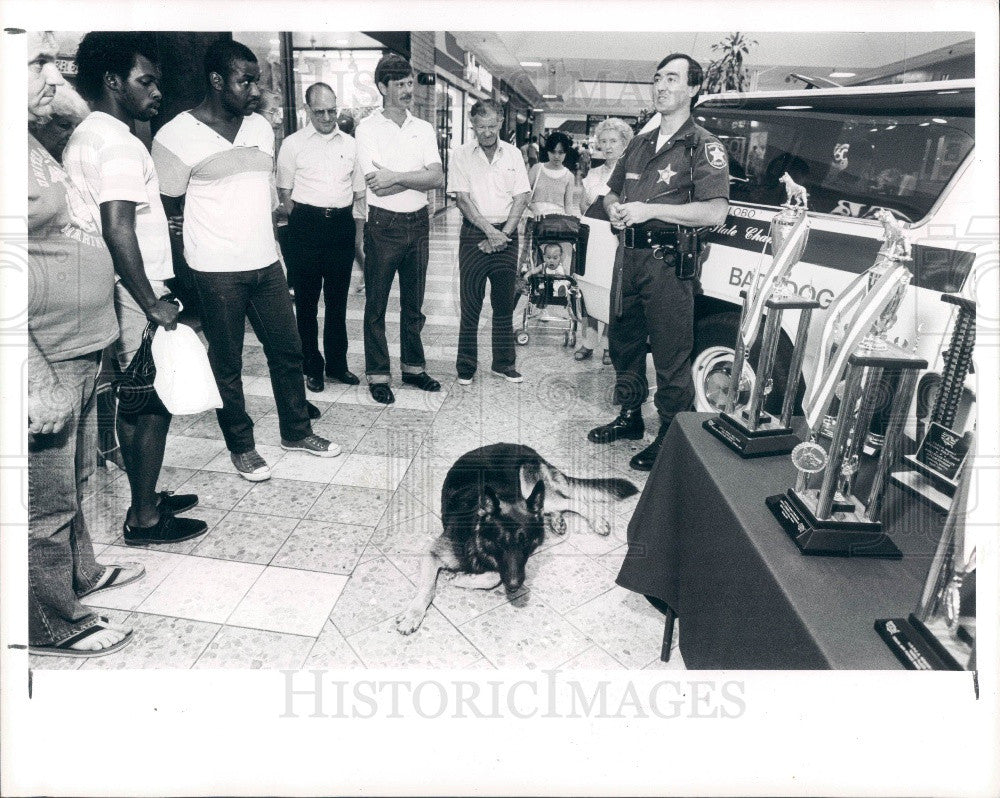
(310, 568)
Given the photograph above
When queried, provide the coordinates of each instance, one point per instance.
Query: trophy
(751, 432)
(941, 633)
(821, 513)
(944, 450)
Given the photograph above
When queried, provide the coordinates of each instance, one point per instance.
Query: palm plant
(727, 72)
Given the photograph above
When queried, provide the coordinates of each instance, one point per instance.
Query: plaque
(944, 450)
(749, 431)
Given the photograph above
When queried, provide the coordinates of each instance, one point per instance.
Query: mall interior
(311, 568)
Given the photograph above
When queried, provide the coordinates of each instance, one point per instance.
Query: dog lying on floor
(496, 503)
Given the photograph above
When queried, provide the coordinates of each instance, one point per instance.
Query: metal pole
(852, 384)
(768, 348)
(869, 398)
(795, 368)
(893, 437)
(739, 358)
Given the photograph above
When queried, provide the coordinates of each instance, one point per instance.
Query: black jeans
(320, 256)
(655, 304)
(228, 300)
(474, 268)
(395, 242)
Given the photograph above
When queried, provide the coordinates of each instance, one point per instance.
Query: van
(907, 148)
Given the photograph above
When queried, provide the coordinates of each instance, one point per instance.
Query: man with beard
(118, 76)
(215, 164)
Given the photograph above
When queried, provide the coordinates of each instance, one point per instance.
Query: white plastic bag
(184, 379)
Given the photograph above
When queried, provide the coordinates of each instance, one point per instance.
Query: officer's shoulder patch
(716, 154)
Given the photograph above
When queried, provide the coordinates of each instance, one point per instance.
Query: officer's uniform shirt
(645, 174)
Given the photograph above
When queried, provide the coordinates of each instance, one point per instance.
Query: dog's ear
(536, 501)
(489, 504)
(528, 475)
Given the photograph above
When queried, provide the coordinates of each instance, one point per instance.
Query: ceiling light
(793, 107)
(949, 91)
(938, 121)
(843, 74)
(531, 63)
(924, 124)
(549, 96)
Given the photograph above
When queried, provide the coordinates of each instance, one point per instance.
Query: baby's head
(552, 256)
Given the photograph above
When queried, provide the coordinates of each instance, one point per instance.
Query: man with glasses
(491, 189)
(399, 157)
(319, 180)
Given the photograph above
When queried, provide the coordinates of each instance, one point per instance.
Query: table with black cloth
(703, 541)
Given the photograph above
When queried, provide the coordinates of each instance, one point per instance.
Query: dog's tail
(585, 490)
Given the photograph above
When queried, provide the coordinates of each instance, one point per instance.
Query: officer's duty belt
(642, 237)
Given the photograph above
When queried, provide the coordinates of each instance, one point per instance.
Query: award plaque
(943, 452)
(828, 518)
(941, 633)
(751, 432)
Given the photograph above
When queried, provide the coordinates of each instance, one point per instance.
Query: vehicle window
(850, 165)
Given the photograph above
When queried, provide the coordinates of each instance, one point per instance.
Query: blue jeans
(395, 242)
(228, 300)
(61, 562)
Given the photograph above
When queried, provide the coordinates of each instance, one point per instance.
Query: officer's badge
(716, 154)
(666, 174)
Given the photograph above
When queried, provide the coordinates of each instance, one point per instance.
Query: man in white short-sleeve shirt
(400, 160)
(116, 73)
(491, 190)
(319, 182)
(216, 164)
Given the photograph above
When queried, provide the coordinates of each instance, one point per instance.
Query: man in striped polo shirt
(216, 164)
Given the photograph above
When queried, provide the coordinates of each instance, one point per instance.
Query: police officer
(669, 182)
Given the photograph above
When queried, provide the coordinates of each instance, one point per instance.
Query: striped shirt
(228, 189)
(107, 163)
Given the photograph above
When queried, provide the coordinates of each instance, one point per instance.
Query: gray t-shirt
(71, 280)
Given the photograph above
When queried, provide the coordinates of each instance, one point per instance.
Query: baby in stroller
(554, 248)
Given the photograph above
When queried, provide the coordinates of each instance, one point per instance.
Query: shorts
(132, 321)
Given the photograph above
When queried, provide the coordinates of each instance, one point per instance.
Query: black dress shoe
(314, 384)
(423, 380)
(175, 503)
(167, 530)
(314, 412)
(382, 393)
(628, 425)
(645, 459)
(345, 376)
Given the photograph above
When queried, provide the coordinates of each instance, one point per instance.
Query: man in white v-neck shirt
(215, 164)
(400, 160)
(319, 182)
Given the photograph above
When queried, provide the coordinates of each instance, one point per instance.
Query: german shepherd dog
(496, 503)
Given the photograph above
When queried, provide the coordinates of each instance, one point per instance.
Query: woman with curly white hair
(612, 136)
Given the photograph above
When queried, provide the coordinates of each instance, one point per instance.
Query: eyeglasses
(329, 113)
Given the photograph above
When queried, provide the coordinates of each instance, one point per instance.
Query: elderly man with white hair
(71, 318)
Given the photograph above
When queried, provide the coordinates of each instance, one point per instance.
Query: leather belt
(326, 212)
(641, 237)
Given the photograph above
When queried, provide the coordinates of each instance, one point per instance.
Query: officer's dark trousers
(395, 242)
(475, 267)
(656, 304)
(321, 254)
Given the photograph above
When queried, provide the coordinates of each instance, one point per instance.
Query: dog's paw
(556, 524)
(409, 620)
(603, 527)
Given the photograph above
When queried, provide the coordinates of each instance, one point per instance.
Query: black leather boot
(645, 459)
(628, 425)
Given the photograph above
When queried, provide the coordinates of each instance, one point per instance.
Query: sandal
(65, 648)
(117, 576)
(583, 353)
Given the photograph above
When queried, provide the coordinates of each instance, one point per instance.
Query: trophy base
(915, 646)
(762, 442)
(921, 487)
(847, 536)
(940, 481)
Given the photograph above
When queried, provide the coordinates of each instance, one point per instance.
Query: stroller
(542, 288)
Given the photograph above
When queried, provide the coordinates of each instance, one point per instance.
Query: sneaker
(465, 377)
(312, 444)
(251, 466)
(169, 529)
(511, 374)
